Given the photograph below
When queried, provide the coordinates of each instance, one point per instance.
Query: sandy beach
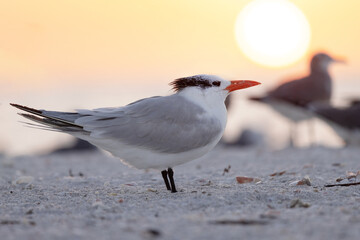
(94, 196)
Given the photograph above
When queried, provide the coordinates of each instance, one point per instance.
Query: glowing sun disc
(272, 33)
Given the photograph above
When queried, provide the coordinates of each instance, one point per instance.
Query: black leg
(165, 177)
(171, 177)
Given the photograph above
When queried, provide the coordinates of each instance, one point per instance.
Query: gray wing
(314, 88)
(169, 124)
(295, 92)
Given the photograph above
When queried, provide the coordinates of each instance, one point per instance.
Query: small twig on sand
(343, 184)
(240, 222)
(226, 170)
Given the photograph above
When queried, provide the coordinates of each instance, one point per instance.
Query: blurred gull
(293, 98)
(77, 146)
(344, 121)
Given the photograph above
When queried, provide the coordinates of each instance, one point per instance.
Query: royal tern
(153, 133)
(293, 98)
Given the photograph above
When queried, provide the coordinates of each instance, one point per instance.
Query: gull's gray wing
(295, 92)
(169, 124)
(313, 88)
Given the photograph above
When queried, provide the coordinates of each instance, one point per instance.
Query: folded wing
(166, 124)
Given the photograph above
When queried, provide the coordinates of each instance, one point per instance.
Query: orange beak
(241, 84)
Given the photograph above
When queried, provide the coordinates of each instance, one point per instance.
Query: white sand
(39, 200)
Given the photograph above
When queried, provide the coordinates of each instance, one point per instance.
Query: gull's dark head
(321, 62)
(210, 82)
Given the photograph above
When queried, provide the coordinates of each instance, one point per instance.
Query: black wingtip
(48, 120)
(26, 109)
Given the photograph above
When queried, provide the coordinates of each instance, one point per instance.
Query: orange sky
(46, 42)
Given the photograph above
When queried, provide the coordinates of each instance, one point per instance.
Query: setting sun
(272, 33)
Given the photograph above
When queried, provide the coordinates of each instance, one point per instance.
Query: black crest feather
(193, 81)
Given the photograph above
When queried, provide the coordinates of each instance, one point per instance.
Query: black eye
(216, 83)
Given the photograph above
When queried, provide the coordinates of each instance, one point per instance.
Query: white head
(210, 85)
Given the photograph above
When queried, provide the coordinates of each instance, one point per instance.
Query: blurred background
(66, 55)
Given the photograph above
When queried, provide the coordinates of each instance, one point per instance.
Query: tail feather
(47, 121)
(40, 126)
